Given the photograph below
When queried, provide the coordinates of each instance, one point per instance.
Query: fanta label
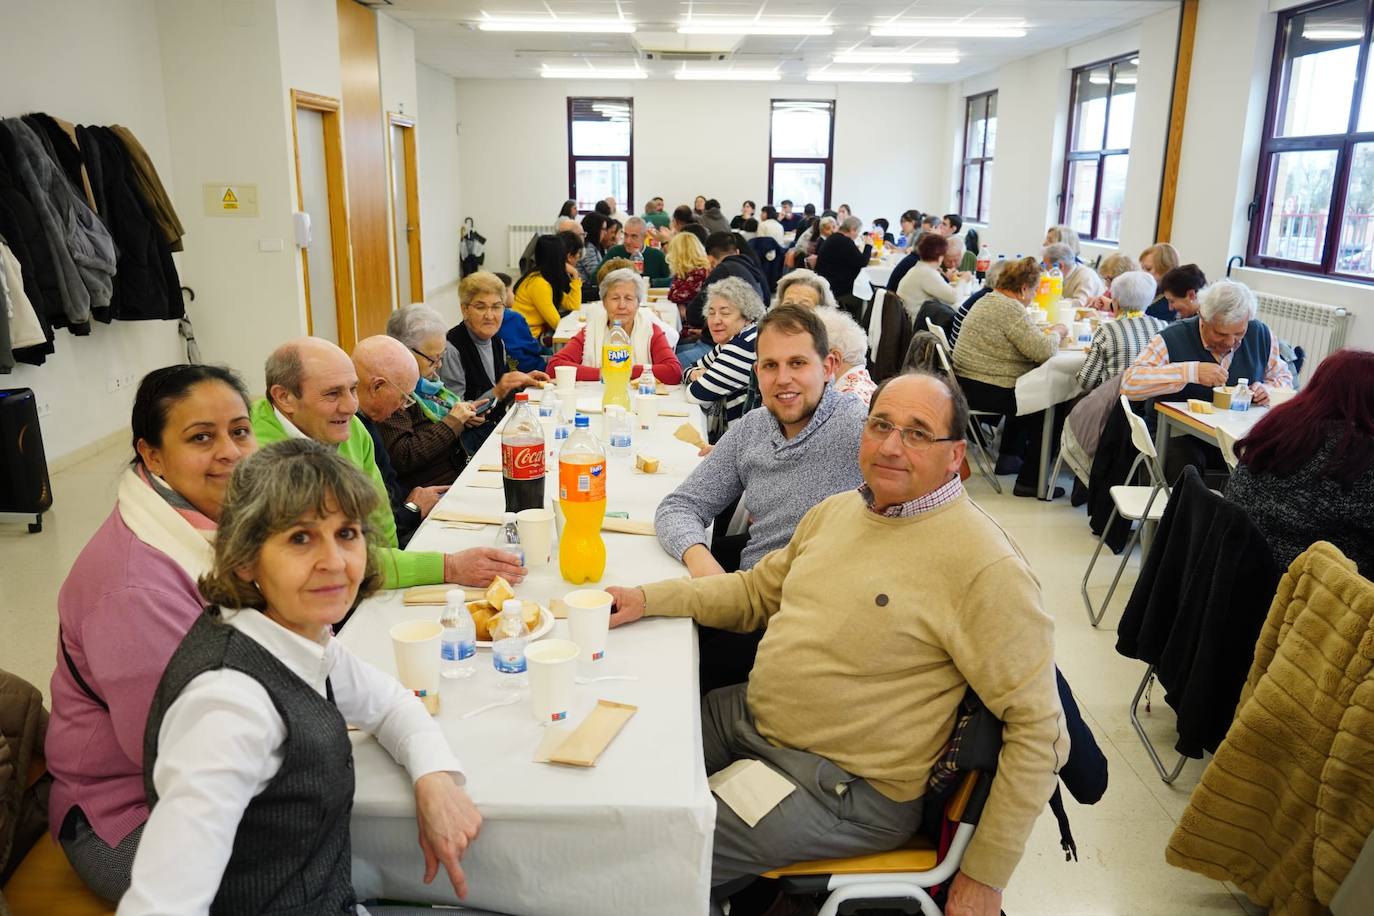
(618, 355)
(582, 483)
(522, 462)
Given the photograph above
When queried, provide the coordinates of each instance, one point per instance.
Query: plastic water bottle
(458, 645)
(648, 384)
(548, 404)
(508, 645)
(620, 435)
(508, 537)
(1240, 399)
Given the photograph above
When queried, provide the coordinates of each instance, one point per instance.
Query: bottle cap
(456, 596)
(583, 421)
(522, 396)
(513, 606)
(508, 517)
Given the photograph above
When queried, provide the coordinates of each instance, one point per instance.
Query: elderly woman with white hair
(719, 381)
(623, 294)
(423, 438)
(849, 343)
(805, 288)
(1081, 282)
(1118, 342)
(1221, 345)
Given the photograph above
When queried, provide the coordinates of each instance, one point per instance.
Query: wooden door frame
(413, 253)
(331, 116)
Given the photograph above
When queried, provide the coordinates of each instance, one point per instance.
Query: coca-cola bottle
(522, 458)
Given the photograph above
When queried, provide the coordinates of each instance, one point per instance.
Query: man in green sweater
(655, 264)
(866, 655)
(312, 392)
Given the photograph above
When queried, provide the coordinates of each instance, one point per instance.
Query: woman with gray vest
(247, 762)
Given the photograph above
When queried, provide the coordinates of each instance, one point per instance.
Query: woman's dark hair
(1183, 280)
(769, 212)
(602, 207)
(971, 241)
(593, 223)
(504, 278)
(685, 215)
(912, 216)
(162, 388)
(932, 247)
(1337, 406)
(882, 222)
(750, 204)
(550, 260)
(569, 209)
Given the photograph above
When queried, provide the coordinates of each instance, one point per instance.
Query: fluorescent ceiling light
(1332, 34)
(826, 76)
(751, 27)
(587, 73)
(741, 75)
(556, 25)
(949, 28)
(897, 57)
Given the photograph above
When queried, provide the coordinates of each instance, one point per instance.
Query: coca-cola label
(522, 462)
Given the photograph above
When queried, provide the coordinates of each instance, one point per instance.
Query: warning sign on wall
(231, 199)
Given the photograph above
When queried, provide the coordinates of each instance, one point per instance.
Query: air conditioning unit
(672, 47)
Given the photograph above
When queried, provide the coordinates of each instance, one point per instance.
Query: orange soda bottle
(582, 497)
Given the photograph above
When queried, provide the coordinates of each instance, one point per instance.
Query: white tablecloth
(630, 835)
(874, 276)
(1052, 382)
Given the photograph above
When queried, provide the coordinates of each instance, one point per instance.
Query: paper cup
(552, 665)
(1221, 397)
(416, 643)
(536, 534)
(567, 379)
(589, 618)
(646, 407)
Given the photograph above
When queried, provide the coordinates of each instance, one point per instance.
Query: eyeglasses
(407, 399)
(487, 309)
(432, 360)
(915, 439)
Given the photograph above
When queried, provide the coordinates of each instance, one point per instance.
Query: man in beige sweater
(866, 655)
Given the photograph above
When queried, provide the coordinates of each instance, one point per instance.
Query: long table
(1044, 388)
(1176, 420)
(632, 834)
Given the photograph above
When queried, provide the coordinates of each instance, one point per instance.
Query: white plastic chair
(1135, 503)
(981, 459)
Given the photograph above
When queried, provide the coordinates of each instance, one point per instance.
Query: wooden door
(317, 132)
(405, 197)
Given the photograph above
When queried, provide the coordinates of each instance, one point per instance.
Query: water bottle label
(560, 432)
(458, 649)
(545, 408)
(522, 462)
(509, 660)
(620, 440)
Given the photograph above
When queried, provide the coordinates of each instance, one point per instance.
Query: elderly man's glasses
(915, 439)
(407, 399)
(431, 360)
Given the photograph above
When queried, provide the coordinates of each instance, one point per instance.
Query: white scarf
(640, 338)
(162, 528)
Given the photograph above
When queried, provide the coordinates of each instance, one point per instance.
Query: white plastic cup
(552, 665)
(536, 535)
(646, 406)
(589, 619)
(416, 643)
(566, 376)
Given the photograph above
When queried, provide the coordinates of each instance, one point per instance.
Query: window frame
(828, 160)
(983, 161)
(1100, 155)
(628, 204)
(1343, 144)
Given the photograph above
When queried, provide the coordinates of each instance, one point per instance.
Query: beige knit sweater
(997, 342)
(867, 653)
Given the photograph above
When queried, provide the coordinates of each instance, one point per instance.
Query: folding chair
(984, 462)
(903, 874)
(1135, 503)
(1167, 775)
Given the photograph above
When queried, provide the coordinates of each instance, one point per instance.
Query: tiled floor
(1121, 840)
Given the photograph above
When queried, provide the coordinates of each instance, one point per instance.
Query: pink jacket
(124, 609)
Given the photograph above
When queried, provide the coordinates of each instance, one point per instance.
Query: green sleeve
(400, 568)
(657, 268)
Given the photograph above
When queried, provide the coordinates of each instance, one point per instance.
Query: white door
(401, 224)
(324, 319)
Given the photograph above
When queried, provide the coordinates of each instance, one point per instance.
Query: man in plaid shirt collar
(1118, 342)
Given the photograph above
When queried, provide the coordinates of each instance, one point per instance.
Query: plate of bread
(487, 611)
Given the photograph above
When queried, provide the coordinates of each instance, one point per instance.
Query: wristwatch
(413, 508)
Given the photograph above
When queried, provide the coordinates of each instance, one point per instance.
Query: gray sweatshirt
(779, 478)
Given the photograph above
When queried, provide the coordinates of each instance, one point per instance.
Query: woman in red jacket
(622, 299)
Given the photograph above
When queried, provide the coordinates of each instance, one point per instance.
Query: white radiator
(518, 235)
(1318, 329)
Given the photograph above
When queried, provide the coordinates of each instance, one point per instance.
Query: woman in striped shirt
(719, 381)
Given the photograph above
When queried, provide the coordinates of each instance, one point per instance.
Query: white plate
(545, 625)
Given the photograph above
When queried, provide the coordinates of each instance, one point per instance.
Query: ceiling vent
(672, 47)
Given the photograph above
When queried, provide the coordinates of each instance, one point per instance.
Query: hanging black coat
(146, 285)
(22, 230)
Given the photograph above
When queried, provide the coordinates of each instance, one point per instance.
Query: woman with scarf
(622, 299)
(129, 599)
(424, 439)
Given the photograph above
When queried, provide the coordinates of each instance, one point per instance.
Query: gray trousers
(106, 870)
(832, 814)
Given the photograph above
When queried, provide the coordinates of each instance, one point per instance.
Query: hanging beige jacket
(150, 188)
(1285, 805)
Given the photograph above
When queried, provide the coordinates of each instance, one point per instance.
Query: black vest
(291, 851)
(476, 382)
(1250, 361)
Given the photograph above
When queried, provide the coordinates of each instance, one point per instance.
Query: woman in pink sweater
(125, 606)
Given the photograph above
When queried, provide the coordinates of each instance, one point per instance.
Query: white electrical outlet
(112, 384)
(44, 408)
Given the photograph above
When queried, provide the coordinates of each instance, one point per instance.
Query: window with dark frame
(980, 142)
(801, 147)
(1313, 209)
(1098, 153)
(601, 152)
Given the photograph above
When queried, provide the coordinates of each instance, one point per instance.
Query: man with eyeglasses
(888, 603)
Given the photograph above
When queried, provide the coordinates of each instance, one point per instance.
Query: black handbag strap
(76, 675)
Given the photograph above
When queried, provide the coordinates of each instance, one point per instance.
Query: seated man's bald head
(386, 374)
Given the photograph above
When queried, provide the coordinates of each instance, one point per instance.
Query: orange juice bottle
(582, 497)
(1042, 293)
(617, 363)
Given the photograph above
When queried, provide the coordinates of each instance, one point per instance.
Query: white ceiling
(446, 35)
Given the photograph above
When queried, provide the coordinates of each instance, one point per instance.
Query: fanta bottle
(582, 497)
(1042, 292)
(616, 366)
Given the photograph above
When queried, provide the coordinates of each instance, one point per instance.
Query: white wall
(441, 214)
(92, 62)
(690, 138)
